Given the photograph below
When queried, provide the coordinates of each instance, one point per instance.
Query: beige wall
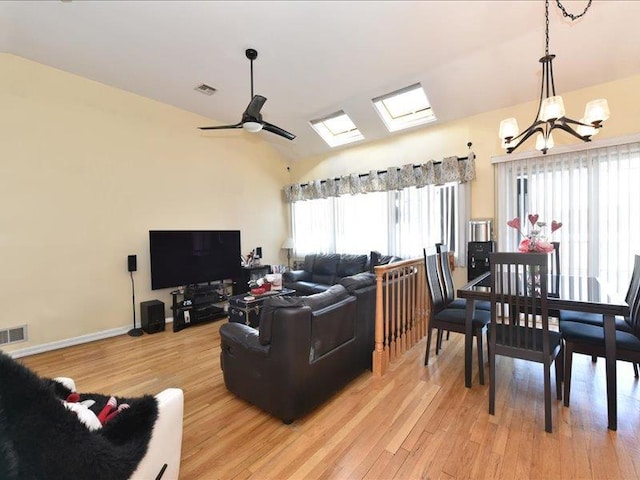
(86, 170)
(443, 140)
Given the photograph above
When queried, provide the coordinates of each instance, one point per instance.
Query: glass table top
(564, 292)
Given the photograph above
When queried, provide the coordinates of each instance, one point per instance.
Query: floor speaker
(152, 316)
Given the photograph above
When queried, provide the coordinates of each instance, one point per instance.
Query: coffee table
(246, 308)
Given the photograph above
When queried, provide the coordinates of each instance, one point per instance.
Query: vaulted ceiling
(317, 57)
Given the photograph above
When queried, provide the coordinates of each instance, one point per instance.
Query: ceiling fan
(252, 118)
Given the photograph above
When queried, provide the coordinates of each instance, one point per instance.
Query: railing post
(402, 311)
(378, 362)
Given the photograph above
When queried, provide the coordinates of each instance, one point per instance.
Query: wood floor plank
(415, 422)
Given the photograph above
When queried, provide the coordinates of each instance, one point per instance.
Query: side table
(246, 308)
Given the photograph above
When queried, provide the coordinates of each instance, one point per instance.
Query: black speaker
(132, 263)
(152, 316)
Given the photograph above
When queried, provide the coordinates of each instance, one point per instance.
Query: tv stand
(199, 304)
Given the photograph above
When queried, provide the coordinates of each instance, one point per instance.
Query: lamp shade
(508, 128)
(252, 126)
(586, 130)
(288, 243)
(543, 144)
(596, 111)
(552, 108)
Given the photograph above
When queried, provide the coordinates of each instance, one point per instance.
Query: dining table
(565, 292)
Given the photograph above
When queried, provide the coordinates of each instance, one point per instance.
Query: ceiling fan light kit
(551, 112)
(252, 127)
(252, 118)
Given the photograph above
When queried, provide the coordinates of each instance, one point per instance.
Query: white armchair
(166, 439)
(41, 438)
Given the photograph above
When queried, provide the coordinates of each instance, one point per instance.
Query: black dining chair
(588, 339)
(448, 287)
(555, 262)
(519, 283)
(450, 319)
(596, 319)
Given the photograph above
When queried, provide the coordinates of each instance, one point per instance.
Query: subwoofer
(152, 316)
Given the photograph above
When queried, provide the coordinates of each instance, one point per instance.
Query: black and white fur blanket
(41, 439)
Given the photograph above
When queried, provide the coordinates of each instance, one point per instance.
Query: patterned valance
(451, 169)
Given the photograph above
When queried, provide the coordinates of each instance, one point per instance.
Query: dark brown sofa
(325, 269)
(307, 348)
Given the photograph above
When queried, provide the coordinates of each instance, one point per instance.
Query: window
(337, 129)
(591, 193)
(404, 108)
(398, 223)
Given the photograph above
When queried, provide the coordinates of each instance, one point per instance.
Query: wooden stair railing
(402, 310)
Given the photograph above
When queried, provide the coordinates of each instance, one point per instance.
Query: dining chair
(450, 319)
(519, 282)
(448, 287)
(597, 320)
(555, 263)
(588, 339)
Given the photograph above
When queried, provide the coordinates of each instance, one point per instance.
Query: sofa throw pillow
(386, 259)
(374, 260)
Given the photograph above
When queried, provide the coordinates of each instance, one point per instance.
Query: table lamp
(288, 245)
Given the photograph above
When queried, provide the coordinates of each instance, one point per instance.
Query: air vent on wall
(13, 335)
(206, 89)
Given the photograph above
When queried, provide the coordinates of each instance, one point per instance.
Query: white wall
(86, 171)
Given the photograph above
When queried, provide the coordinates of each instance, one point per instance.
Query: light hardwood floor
(415, 422)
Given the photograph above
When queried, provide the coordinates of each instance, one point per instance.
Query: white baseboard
(90, 337)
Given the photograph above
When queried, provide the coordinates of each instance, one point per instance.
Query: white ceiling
(316, 57)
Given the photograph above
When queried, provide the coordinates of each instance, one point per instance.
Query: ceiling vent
(206, 89)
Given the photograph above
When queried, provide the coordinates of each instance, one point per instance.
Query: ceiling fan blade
(253, 110)
(277, 130)
(222, 127)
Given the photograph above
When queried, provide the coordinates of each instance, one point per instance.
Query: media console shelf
(247, 274)
(199, 304)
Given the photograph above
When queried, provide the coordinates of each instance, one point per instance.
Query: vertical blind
(398, 222)
(593, 193)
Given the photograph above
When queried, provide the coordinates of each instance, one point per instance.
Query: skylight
(404, 108)
(337, 129)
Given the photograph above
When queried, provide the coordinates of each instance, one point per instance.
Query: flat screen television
(186, 257)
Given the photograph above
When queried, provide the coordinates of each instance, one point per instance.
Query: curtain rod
(380, 172)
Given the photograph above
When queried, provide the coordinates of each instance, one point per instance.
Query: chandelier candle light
(534, 241)
(551, 114)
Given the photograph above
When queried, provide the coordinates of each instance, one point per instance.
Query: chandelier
(551, 114)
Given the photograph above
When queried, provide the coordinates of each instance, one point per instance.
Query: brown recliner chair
(305, 350)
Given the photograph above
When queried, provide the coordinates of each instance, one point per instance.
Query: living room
(90, 168)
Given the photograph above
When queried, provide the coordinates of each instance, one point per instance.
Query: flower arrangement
(534, 241)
